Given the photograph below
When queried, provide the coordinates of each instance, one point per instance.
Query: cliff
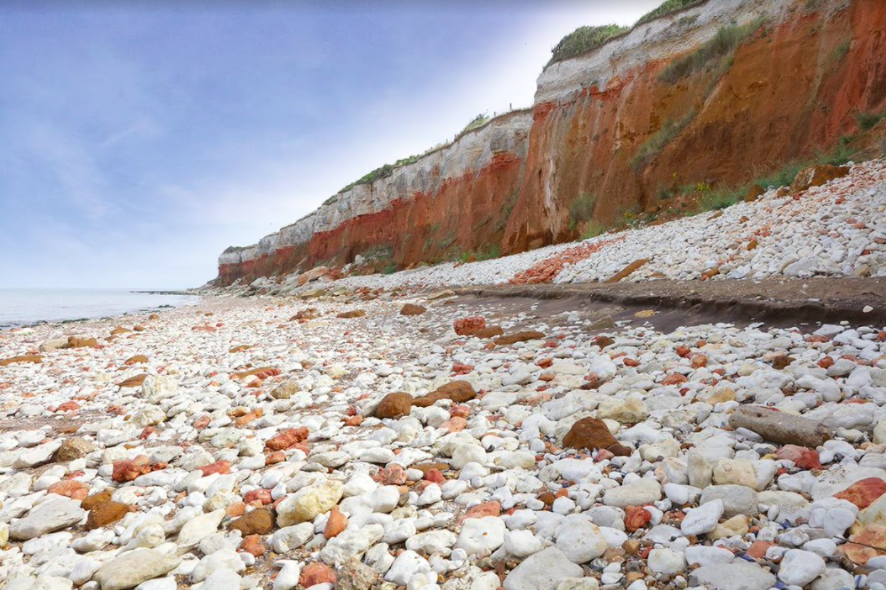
(714, 95)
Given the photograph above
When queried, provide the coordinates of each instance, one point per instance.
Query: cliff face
(618, 129)
(790, 89)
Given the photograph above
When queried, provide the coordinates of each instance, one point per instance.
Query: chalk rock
(134, 567)
(51, 515)
(543, 571)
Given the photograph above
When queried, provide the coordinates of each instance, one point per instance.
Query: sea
(24, 307)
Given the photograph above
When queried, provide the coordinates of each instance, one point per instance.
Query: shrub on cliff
(724, 43)
(380, 172)
(583, 39)
(667, 7)
(867, 121)
(476, 122)
(581, 209)
(658, 140)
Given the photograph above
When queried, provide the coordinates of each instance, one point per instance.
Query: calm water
(27, 306)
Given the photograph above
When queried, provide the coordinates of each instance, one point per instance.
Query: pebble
(799, 567)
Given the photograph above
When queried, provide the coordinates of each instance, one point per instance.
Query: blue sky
(139, 140)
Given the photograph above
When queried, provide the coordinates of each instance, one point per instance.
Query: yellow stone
(737, 525)
(718, 396)
(735, 471)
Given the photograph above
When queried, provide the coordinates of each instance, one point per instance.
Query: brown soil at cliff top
(780, 303)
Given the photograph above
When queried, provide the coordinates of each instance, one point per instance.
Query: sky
(138, 140)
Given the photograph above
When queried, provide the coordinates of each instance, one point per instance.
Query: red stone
(391, 476)
(603, 455)
(275, 457)
(674, 379)
(758, 549)
(459, 411)
(249, 417)
(469, 326)
(260, 495)
(866, 544)
(129, 469)
(253, 544)
(353, 420)
(335, 524)
(492, 508)
(455, 424)
(76, 490)
(864, 492)
(545, 270)
(236, 509)
(803, 457)
(287, 439)
(435, 476)
(220, 467)
(68, 407)
(636, 517)
(460, 369)
(698, 361)
(316, 573)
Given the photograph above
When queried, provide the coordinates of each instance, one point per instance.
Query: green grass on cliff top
(667, 7)
(584, 39)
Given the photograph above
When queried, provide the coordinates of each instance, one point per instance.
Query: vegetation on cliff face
(723, 45)
(867, 121)
(658, 140)
(584, 39)
(667, 7)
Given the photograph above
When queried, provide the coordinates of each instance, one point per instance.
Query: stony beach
(377, 432)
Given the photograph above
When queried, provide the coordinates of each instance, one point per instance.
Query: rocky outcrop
(615, 130)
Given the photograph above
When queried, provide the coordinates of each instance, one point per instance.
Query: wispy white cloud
(140, 128)
(74, 169)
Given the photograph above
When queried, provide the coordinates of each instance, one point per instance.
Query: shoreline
(137, 310)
